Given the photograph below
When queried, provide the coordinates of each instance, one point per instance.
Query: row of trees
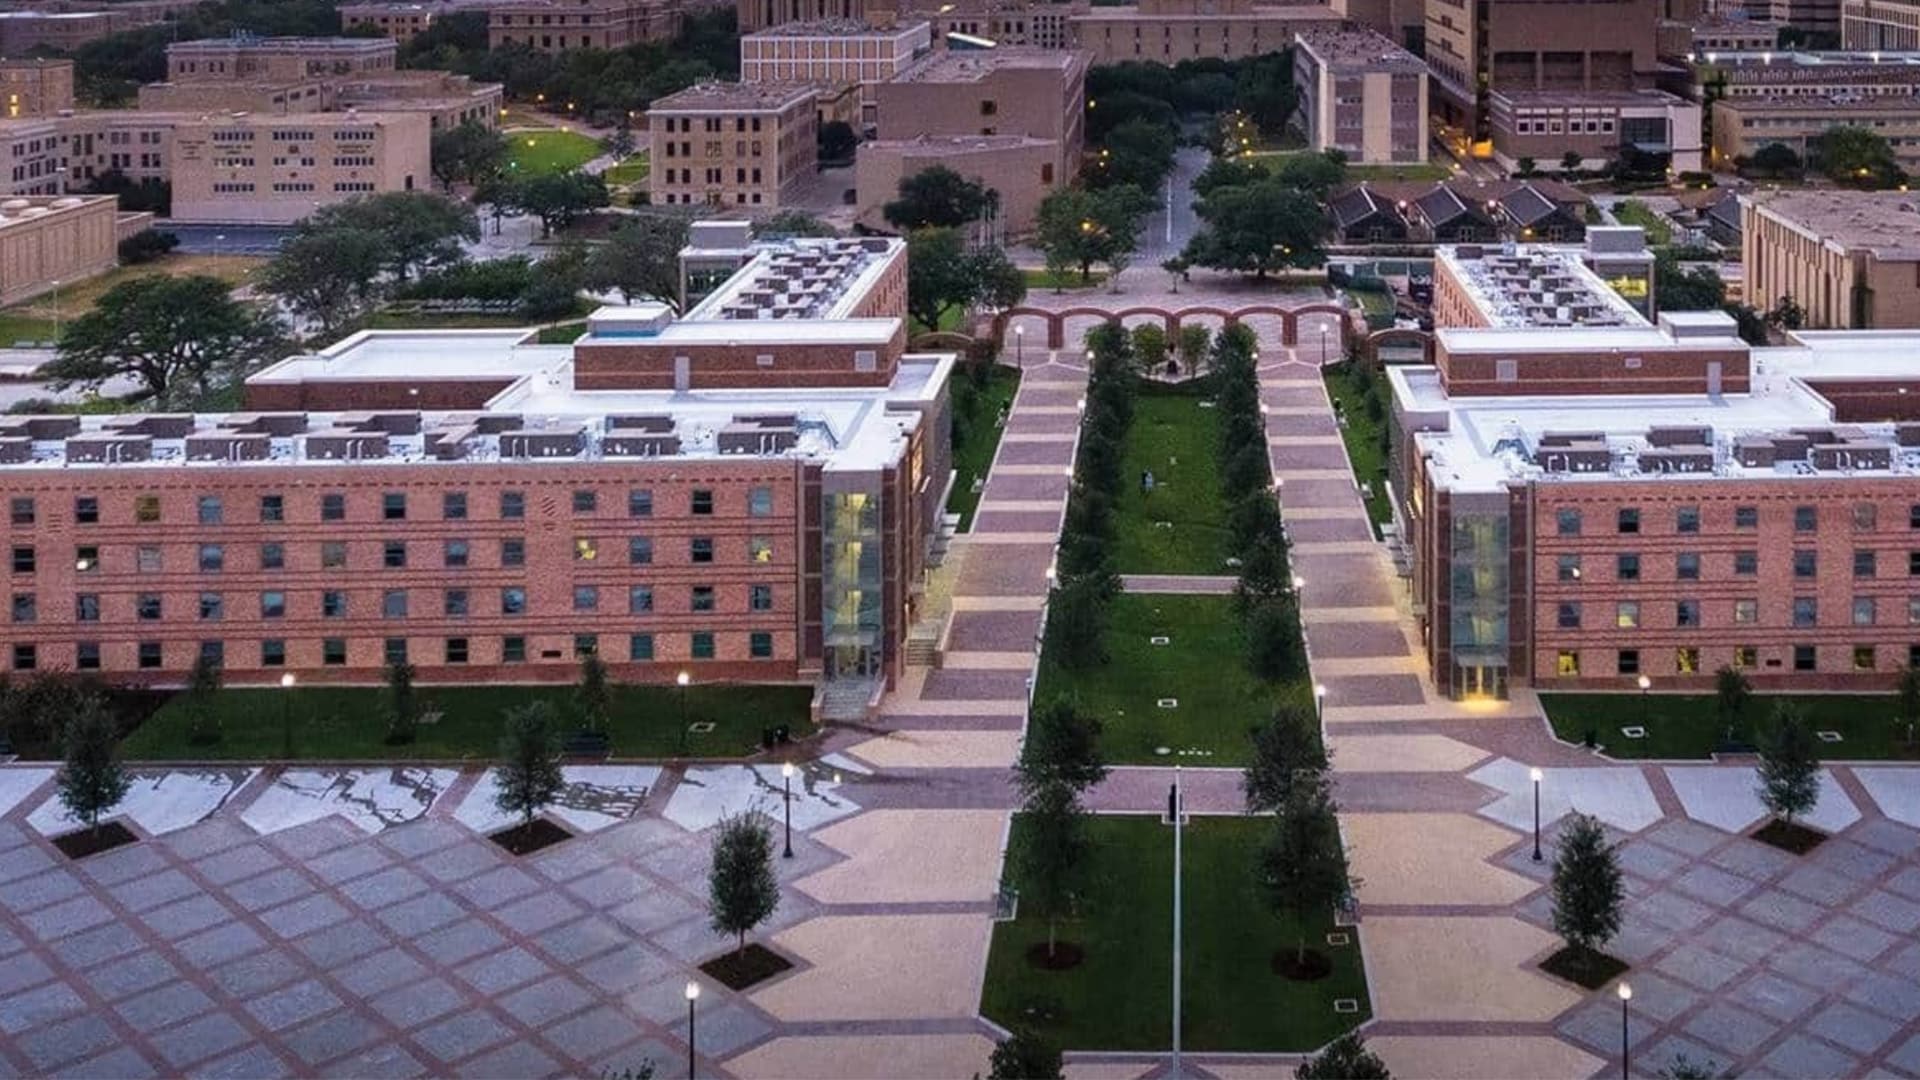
(1078, 609)
(1264, 597)
(1258, 88)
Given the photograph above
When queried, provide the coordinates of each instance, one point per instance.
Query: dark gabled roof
(1357, 204)
(1527, 206)
(1725, 211)
(1443, 206)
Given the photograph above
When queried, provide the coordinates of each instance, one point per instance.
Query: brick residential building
(1361, 94)
(1850, 259)
(745, 499)
(740, 145)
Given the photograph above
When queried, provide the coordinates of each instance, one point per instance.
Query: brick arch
(1056, 321)
(1399, 335)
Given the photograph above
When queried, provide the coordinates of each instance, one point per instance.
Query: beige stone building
(24, 30)
(1361, 94)
(446, 100)
(1023, 170)
(1889, 25)
(1008, 22)
(834, 52)
(35, 87)
(49, 242)
(1029, 91)
(402, 19)
(1169, 31)
(1745, 124)
(1851, 259)
(554, 26)
(740, 145)
(754, 15)
(245, 58)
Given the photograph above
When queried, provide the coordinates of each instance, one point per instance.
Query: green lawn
(951, 319)
(976, 434)
(565, 333)
(1635, 212)
(1119, 997)
(549, 151)
(1684, 725)
(1363, 436)
(631, 171)
(1201, 667)
(347, 723)
(1431, 170)
(16, 327)
(1178, 440)
(437, 320)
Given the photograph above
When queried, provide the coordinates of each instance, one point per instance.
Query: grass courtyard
(631, 171)
(1118, 998)
(349, 723)
(1181, 528)
(552, 150)
(1200, 667)
(1363, 435)
(41, 318)
(1683, 726)
(977, 406)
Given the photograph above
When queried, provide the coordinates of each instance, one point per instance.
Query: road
(1161, 239)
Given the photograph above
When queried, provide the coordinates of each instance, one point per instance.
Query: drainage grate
(701, 727)
(1339, 939)
(1346, 1006)
(1169, 702)
(1827, 736)
(1634, 732)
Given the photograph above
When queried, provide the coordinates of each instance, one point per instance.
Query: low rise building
(554, 26)
(35, 87)
(1850, 259)
(735, 145)
(835, 53)
(250, 58)
(402, 19)
(1169, 31)
(1022, 169)
(1362, 95)
(1040, 23)
(49, 242)
(1599, 125)
(1743, 125)
(1717, 34)
(23, 31)
(1027, 91)
(1459, 211)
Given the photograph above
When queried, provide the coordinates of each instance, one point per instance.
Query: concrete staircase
(845, 700)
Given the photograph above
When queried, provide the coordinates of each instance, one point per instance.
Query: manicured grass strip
(975, 442)
(1634, 212)
(349, 723)
(631, 171)
(548, 151)
(1685, 726)
(1202, 667)
(1177, 439)
(1363, 436)
(1119, 997)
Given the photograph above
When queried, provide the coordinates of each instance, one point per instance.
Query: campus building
(1169, 31)
(836, 53)
(1850, 259)
(1891, 25)
(48, 242)
(554, 26)
(1590, 496)
(1363, 95)
(741, 145)
(35, 87)
(402, 19)
(1744, 125)
(746, 492)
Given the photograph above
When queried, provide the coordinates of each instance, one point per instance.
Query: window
(1806, 611)
(456, 650)
(1746, 517)
(585, 549)
(585, 502)
(86, 607)
(333, 508)
(23, 560)
(1686, 660)
(333, 651)
(586, 598)
(1569, 568)
(213, 558)
(702, 501)
(146, 509)
(513, 505)
(393, 506)
(702, 644)
(333, 604)
(1627, 567)
(1746, 611)
(1569, 616)
(453, 506)
(585, 645)
(760, 502)
(760, 549)
(1806, 519)
(273, 508)
(1686, 613)
(1913, 516)
(1805, 564)
(86, 656)
(333, 554)
(760, 597)
(1568, 664)
(394, 651)
(1746, 656)
(1863, 564)
(1805, 658)
(702, 598)
(513, 650)
(454, 603)
(146, 559)
(1866, 517)
(1628, 662)
(1686, 566)
(150, 654)
(212, 606)
(454, 553)
(1627, 614)
(209, 510)
(513, 553)
(640, 647)
(760, 645)
(393, 554)
(25, 657)
(1629, 520)
(513, 601)
(272, 557)
(24, 607)
(148, 607)
(86, 510)
(1863, 658)
(393, 604)
(273, 605)
(639, 550)
(700, 549)
(639, 503)
(1863, 611)
(1569, 521)
(1746, 563)
(273, 653)
(1686, 519)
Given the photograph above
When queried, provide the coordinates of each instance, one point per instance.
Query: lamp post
(1626, 995)
(1323, 344)
(786, 774)
(1536, 775)
(681, 680)
(1020, 346)
(1299, 583)
(1320, 702)
(286, 716)
(1645, 685)
(693, 995)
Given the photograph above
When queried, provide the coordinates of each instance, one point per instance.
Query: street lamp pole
(1175, 807)
(1320, 703)
(1645, 685)
(286, 716)
(681, 680)
(693, 995)
(1537, 776)
(786, 774)
(1626, 995)
(1020, 346)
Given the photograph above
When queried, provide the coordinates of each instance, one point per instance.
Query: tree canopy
(1856, 157)
(742, 890)
(529, 776)
(91, 780)
(467, 153)
(1587, 885)
(936, 197)
(1789, 768)
(1259, 228)
(641, 258)
(943, 274)
(1077, 228)
(328, 277)
(179, 338)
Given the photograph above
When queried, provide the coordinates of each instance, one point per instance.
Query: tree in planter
(1789, 766)
(1346, 1058)
(403, 707)
(1050, 862)
(1731, 692)
(1288, 757)
(1526, 166)
(530, 777)
(742, 891)
(1176, 268)
(1586, 888)
(91, 781)
(1196, 343)
(1062, 747)
(1683, 1067)
(1150, 347)
(1273, 641)
(203, 685)
(1303, 865)
(593, 697)
(1907, 698)
(1024, 1056)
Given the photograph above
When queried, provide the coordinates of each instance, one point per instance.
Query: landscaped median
(1119, 996)
(1180, 525)
(1681, 726)
(982, 394)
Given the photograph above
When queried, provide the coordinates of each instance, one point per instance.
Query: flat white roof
(1536, 285)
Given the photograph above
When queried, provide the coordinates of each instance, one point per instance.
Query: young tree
(1050, 857)
(177, 338)
(1176, 267)
(1303, 865)
(742, 891)
(1789, 766)
(1288, 757)
(837, 141)
(1683, 1067)
(1586, 886)
(1907, 697)
(530, 777)
(619, 145)
(1149, 347)
(1062, 747)
(1526, 166)
(327, 277)
(403, 708)
(593, 697)
(91, 781)
(1346, 1058)
(641, 259)
(1195, 342)
(1077, 620)
(1024, 1055)
(203, 685)
(1731, 692)
(1571, 161)
(936, 198)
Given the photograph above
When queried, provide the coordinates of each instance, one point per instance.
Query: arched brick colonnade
(1056, 321)
(1400, 336)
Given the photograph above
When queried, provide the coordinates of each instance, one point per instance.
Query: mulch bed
(1583, 967)
(737, 970)
(1797, 839)
(1295, 966)
(79, 845)
(527, 839)
(1065, 956)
